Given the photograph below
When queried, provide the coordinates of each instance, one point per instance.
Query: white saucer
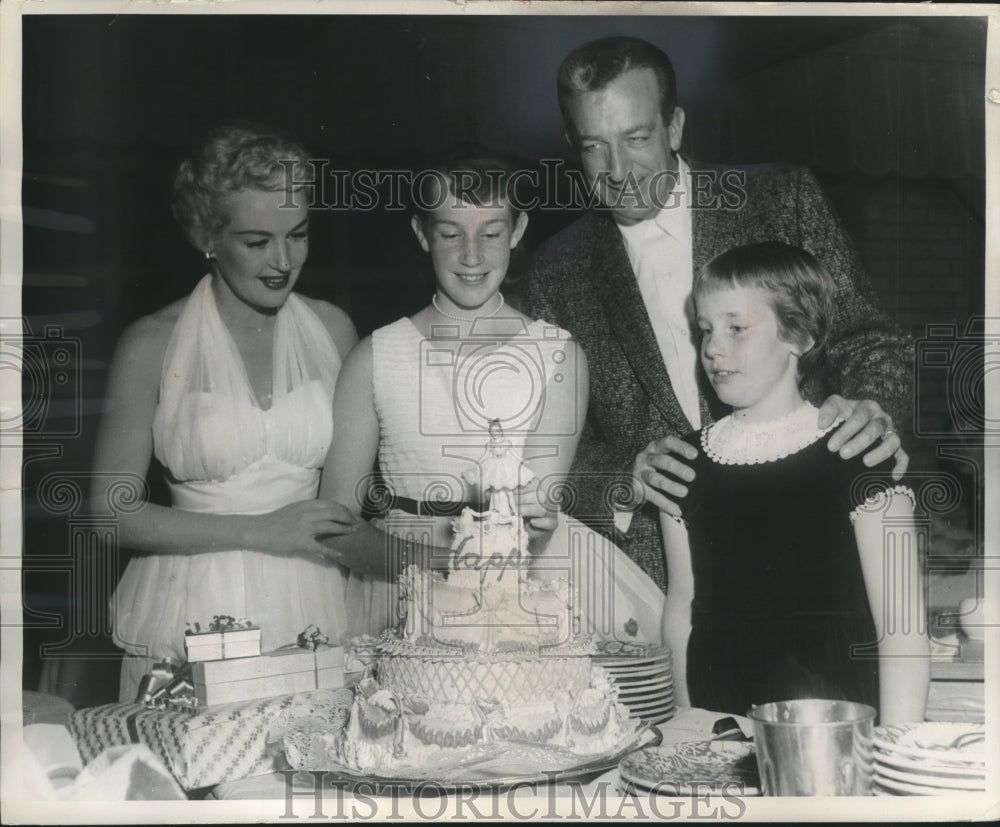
(693, 768)
(931, 741)
(936, 782)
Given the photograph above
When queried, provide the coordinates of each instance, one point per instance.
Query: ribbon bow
(311, 638)
(167, 686)
(221, 623)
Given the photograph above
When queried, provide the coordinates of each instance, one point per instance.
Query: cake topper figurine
(499, 473)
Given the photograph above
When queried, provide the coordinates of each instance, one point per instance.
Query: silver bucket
(814, 747)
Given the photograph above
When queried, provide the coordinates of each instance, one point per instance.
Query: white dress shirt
(660, 252)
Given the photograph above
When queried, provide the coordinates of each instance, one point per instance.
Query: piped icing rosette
(590, 713)
(379, 715)
(448, 725)
(535, 723)
(597, 721)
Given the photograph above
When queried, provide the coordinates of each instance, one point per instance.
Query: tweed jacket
(582, 280)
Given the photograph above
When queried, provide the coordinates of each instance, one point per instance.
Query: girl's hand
(539, 518)
(294, 528)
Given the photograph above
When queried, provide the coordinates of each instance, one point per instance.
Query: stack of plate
(935, 758)
(644, 676)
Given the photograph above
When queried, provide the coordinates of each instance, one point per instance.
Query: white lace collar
(732, 442)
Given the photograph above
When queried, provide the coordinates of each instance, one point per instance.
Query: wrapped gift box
(231, 643)
(281, 672)
(200, 747)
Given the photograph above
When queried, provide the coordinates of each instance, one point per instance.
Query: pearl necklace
(447, 315)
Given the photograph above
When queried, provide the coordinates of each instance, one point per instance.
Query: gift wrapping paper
(200, 747)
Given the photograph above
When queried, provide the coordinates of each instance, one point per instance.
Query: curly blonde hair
(231, 159)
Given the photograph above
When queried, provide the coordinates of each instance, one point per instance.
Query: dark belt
(433, 508)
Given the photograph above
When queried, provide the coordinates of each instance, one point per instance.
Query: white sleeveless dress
(223, 454)
(434, 403)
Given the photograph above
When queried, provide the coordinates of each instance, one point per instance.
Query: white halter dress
(224, 454)
(434, 404)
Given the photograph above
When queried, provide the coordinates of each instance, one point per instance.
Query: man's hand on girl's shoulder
(659, 473)
(865, 424)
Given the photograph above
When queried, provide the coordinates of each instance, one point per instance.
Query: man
(619, 280)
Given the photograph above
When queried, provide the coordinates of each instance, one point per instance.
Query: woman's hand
(294, 528)
(540, 518)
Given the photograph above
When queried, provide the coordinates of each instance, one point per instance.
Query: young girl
(423, 395)
(794, 573)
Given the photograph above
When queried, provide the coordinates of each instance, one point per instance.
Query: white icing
(488, 601)
(485, 645)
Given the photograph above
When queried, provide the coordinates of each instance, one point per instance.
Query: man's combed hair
(231, 159)
(592, 66)
(799, 289)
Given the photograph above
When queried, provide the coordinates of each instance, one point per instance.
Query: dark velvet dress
(780, 609)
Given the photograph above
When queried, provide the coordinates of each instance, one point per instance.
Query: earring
(208, 254)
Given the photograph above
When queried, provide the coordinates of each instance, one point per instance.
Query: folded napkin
(945, 648)
(694, 724)
(52, 770)
(730, 729)
(55, 752)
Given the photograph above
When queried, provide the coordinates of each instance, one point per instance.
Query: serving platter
(654, 703)
(499, 766)
(693, 768)
(938, 768)
(955, 783)
(636, 667)
(643, 708)
(644, 681)
(628, 654)
(656, 690)
(633, 675)
(903, 788)
(936, 741)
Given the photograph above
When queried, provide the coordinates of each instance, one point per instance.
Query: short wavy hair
(592, 66)
(475, 174)
(479, 176)
(233, 158)
(800, 290)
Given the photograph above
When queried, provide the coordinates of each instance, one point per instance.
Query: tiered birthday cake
(487, 654)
